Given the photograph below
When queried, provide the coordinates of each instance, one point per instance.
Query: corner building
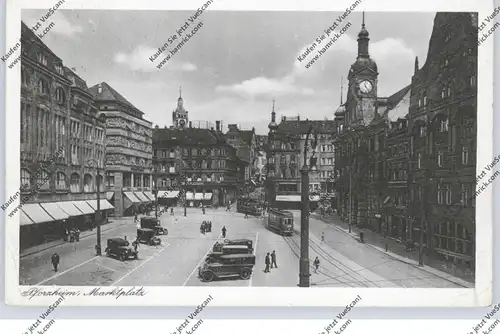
(129, 151)
(443, 139)
(61, 132)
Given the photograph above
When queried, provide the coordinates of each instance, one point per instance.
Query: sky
(233, 67)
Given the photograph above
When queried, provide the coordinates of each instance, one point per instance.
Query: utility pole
(350, 199)
(185, 194)
(98, 214)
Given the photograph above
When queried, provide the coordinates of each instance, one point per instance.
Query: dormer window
(99, 89)
(42, 59)
(446, 92)
(59, 69)
(60, 95)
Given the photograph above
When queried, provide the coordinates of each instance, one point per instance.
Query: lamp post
(350, 199)
(98, 212)
(304, 275)
(156, 197)
(185, 194)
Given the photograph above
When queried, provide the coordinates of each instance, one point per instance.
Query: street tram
(280, 221)
(249, 206)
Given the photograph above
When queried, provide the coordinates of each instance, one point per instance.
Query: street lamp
(304, 275)
(156, 196)
(98, 212)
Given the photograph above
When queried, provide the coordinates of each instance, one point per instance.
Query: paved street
(344, 261)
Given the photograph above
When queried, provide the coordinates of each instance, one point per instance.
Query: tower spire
(180, 92)
(363, 24)
(341, 89)
(363, 40)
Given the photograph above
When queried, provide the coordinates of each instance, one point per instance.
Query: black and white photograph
(334, 150)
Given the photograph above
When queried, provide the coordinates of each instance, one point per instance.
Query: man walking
(273, 259)
(246, 215)
(316, 264)
(55, 261)
(267, 263)
(322, 236)
(224, 232)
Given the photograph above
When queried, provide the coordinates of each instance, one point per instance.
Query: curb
(64, 242)
(413, 263)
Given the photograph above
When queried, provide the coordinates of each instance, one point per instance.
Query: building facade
(442, 130)
(285, 158)
(246, 148)
(129, 151)
(62, 137)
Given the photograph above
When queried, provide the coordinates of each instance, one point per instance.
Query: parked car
(153, 224)
(147, 236)
(121, 249)
(239, 265)
(246, 242)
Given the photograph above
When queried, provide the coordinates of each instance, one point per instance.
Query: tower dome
(273, 126)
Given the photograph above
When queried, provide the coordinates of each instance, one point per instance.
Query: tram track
(294, 246)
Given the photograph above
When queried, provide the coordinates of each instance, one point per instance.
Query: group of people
(270, 261)
(206, 226)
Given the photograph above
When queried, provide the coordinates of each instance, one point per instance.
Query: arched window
(425, 100)
(75, 183)
(43, 180)
(43, 87)
(204, 177)
(25, 179)
(61, 181)
(60, 95)
(87, 184)
(163, 183)
(25, 77)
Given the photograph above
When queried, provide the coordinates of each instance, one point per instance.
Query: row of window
(139, 180)
(193, 152)
(446, 91)
(42, 181)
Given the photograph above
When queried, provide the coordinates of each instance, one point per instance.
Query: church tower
(180, 115)
(362, 92)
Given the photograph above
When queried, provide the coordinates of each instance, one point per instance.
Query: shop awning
(295, 198)
(36, 213)
(132, 197)
(142, 197)
(24, 220)
(84, 207)
(387, 199)
(198, 196)
(208, 196)
(55, 211)
(189, 196)
(70, 208)
(104, 204)
(168, 194)
(109, 195)
(149, 195)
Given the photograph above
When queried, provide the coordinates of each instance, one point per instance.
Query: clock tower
(180, 115)
(362, 92)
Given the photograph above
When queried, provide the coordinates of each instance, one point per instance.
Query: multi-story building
(245, 143)
(62, 138)
(285, 159)
(197, 165)
(129, 151)
(442, 130)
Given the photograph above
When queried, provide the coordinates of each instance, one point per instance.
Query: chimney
(217, 126)
(190, 124)
(298, 117)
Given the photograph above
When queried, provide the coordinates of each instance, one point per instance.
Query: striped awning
(198, 196)
(36, 213)
(55, 211)
(207, 196)
(132, 197)
(168, 193)
(149, 195)
(70, 208)
(84, 207)
(109, 195)
(295, 198)
(104, 204)
(24, 219)
(142, 197)
(189, 196)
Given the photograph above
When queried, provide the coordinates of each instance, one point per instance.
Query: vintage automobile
(121, 249)
(147, 236)
(239, 265)
(153, 224)
(246, 242)
(222, 249)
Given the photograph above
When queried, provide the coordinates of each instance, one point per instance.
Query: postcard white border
(257, 296)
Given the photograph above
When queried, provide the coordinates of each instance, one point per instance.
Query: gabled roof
(398, 104)
(247, 136)
(109, 94)
(295, 127)
(189, 136)
(78, 82)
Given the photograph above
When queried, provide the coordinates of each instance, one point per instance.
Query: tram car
(280, 221)
(249, 206)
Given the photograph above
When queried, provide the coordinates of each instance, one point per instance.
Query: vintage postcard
(215, 153)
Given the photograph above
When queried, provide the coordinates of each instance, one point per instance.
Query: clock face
(365, 86)
(182, 122)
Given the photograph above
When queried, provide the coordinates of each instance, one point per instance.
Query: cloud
(138, 60)
(61, 25)
(262, 86)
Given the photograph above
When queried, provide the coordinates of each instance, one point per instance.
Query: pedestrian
(203, 209)
(266, 270)
(55, 261)
(246, 215)
(316, 264)
(135, 244)
(273, 259)
(224, 231)
(202, 228)
(322, 236)
(172, 211)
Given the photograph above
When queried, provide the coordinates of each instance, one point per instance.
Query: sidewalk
(461, 276)
(116, 222)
